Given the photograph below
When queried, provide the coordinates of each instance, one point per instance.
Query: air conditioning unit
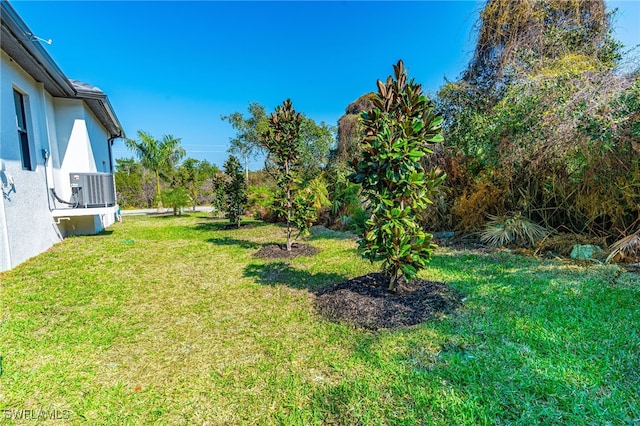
(93, 189)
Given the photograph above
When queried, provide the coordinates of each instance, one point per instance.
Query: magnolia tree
(397, 133)
(219, 198)
(284, 144)
(236, 190)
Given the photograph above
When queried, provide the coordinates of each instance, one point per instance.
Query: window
(23, 136)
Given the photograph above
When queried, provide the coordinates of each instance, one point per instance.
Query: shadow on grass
(281, 273)
(163, 215)
(319, 232)
(216, 224)
(228, 241)
(103, 233)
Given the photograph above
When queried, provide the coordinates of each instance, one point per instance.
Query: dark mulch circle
(366, 302)
(279, 251)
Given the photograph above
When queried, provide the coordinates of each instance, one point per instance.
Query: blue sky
(174, 67)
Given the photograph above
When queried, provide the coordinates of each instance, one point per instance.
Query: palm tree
(157, 156)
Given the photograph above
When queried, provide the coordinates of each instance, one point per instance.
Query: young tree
(397, 133)
(283, 143)
(246, 144)
(236, 190)
(157, 156)
(192, 175)
(219, 199)
(176, 198)
(316, 143)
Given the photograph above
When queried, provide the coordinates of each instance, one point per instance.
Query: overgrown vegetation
(542, 124)
(134, 184)
(135, 331)
(195, 177)
(397, 133)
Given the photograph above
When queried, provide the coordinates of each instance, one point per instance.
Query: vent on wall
(93, 189)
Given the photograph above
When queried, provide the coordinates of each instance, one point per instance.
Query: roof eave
(99, 104)
(104, 112)
(17, 41)
(17, 37)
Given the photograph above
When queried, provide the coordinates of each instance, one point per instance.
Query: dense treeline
(542, 127)
(136, 186)
(161, 176)
(542, 130)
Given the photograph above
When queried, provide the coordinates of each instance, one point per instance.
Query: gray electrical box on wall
(93, 189)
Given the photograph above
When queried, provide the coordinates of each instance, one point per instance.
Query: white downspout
(45, 139)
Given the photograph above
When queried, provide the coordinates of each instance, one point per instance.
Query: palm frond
(625, 249)
(512, 230)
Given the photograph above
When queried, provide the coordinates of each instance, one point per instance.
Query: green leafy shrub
(345, 209)
(176, 198)
(219, 198)
(260, 203)
(236, 190)
(397, 134)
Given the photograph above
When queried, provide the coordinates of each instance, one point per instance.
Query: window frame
(21, 106)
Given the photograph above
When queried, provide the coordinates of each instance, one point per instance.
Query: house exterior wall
(26, 226)
(31, 220)
(82, 144)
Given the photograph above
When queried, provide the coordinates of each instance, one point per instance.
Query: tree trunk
(158, 195)
(289, 209)
(288, 235)
(393, 280)
(289, 220)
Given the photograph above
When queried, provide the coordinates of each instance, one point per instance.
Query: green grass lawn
(172, 321)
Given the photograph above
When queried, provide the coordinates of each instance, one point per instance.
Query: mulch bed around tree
(366, 302)
(279, 251)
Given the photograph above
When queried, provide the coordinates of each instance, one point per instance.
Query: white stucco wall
(81, 144)
(76, 142)
(28, 228)
(99, 139)
(74, 152)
